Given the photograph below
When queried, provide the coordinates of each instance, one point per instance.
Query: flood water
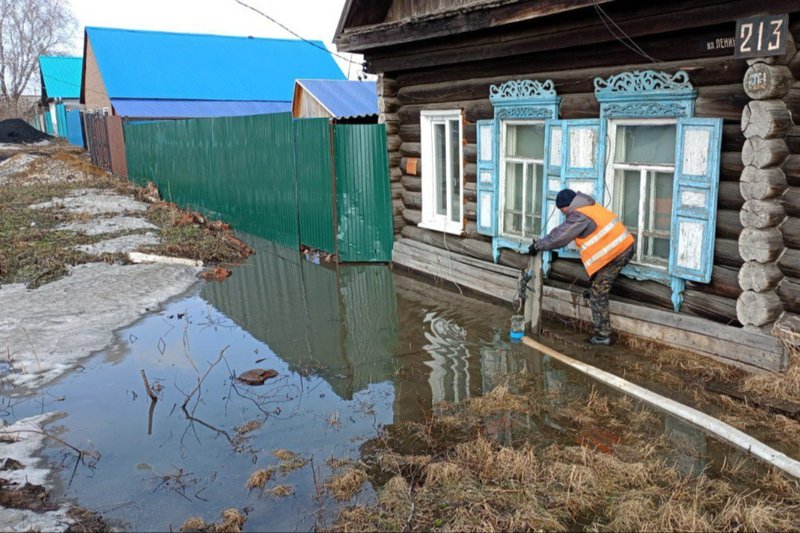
(356, 349)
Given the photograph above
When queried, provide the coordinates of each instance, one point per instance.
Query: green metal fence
(363, 196)
(273, 177)
(315, 193)
(239, 169)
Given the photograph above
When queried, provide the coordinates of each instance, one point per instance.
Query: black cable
(633, 47)
(312, 43)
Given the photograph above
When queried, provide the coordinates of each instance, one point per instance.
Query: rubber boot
(600, 340)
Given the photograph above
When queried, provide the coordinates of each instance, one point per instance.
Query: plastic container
(517, 327)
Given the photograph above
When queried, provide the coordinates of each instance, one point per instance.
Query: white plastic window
(522, 179)
(640, 183)
(442, 171)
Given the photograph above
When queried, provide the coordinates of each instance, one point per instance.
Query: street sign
(761, 36)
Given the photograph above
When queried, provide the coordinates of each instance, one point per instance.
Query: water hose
(697, 418)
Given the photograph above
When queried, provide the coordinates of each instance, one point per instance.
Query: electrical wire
(312, 43)
(632, 46)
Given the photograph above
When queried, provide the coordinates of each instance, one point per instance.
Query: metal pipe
(699, 419)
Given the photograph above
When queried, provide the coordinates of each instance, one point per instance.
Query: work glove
(532, 251)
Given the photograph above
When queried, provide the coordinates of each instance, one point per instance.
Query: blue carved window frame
(514, 100)
(659, 95)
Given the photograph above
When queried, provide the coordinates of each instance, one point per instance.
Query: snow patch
(55, 326)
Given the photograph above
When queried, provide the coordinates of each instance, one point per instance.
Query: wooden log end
(759, 277)
(761, 245)
(758, 308)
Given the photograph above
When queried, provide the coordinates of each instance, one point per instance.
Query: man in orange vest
(605, 245)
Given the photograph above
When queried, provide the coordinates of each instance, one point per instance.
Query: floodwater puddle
(357, 350)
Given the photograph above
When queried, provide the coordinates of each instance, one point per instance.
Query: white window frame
(430, 219)
(503, 159)
(612, 167)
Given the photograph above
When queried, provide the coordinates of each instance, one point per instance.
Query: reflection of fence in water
(340, 324)
(450, 370)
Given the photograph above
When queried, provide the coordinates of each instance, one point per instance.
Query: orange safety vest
(609, 239)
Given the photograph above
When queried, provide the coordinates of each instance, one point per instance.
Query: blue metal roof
(344, 98)
(137, 108)
(61, 76)
(183, 66)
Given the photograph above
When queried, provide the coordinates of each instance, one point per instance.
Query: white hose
(708, 423)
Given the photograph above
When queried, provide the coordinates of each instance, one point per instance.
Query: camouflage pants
(598, 293)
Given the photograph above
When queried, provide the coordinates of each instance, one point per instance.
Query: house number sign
(761, 36)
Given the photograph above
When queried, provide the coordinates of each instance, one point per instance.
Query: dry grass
(499, 399)
(231, 522)
(32, 253)
(281, 491)
(290, 461)
(347, 484)
(248, 427)
(259, 478)
(478, 484)
(785, 386)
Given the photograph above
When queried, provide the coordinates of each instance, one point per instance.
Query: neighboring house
(491, 107)
(345, 101)
(147, 74)
(61, 92)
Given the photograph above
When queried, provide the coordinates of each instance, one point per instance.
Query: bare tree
(28, 29)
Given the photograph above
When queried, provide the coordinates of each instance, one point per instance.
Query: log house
(467, 88)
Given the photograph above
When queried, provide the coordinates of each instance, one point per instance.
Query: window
(641, 178)
(522, 179)
(442, 171)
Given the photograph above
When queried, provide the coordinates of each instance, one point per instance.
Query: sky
(312, 19)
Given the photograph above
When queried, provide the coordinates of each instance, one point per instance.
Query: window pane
(525, 141)
(528, 201)
(455, 172)
(439, 174)
(645, 144)
(512, 208)
(539, 184)
(658, 217)
(626, 197)
(659, 191)
(656, 251)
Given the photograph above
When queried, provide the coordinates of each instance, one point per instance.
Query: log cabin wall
(789, 289)
(466, 86)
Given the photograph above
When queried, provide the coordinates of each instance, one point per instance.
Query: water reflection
(358, 348)
(338, 323)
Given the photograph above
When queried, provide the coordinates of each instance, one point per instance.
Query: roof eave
(464, 20)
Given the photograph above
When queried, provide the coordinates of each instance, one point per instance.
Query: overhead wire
(632, 46)
(312, 43)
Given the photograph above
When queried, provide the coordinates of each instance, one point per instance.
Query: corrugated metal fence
(239, 169)
(274, 177)
(365, 233)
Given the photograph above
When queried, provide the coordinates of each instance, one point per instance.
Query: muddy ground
(69, 237)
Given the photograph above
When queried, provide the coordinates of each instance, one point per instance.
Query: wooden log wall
(387, 108)
(788, 290)
(766, 120)
(466, 86)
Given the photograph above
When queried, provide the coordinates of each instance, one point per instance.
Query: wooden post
(533, 305)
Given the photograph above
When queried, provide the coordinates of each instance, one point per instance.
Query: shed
(149, 74)
(492, 106)
(342, 100)
(60, 94)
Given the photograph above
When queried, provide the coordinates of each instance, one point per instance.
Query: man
(605, 244)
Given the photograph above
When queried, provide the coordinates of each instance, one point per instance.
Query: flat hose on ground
(708, 423)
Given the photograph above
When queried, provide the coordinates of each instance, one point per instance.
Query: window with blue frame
(661, 175)
(647, 158)
(512, 164)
